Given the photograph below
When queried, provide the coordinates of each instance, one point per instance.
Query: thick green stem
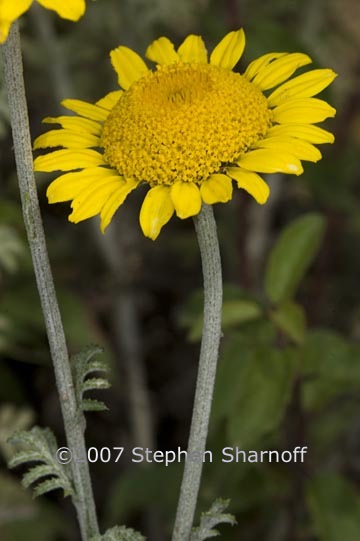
(74, 420)
(211, 264)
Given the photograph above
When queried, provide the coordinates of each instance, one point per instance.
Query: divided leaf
(39, 445)
(46, 486)
(119, 533)
(36, 473)
(85, 363)
(12, 419)
(212, 518)
(92, 405)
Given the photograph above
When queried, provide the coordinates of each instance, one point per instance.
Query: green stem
(74, 420)
(205, 226)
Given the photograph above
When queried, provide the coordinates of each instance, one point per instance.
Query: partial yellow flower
(10, 10)
(187, 129)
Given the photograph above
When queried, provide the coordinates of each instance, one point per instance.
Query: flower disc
(183, 121)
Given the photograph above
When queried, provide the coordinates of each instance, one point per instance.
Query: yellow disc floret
(183, 122)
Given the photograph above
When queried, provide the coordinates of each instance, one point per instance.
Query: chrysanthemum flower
(10, 10)
(187, 129)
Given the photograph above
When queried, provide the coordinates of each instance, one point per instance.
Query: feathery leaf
(85, 363)
(210, 519)
(39, 445)
(119, 533)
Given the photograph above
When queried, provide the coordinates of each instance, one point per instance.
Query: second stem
(74, 420)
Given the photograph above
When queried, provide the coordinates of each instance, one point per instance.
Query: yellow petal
(114, 202)
(92, 187)
(90, 202)
(303, 110)
(4, 30)
(67, 139)
(186, 199)
(307, 132)
(228, 52)
(304, 86)
(75, 123)
(162, 51)
(110, 100)
(68, 160)
(300, 149)
(270, 161)
(156, 211)
(70, 185)
(71, 10)
(251, 182)
(280, 69)
(216, 189)
(193, 49)
(128, 65)
(10, 10)
(257, 65)
(87, 110)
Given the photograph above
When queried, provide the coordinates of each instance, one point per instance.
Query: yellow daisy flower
(187, 129)
(10, 10)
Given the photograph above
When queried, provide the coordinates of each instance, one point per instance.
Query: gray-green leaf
(212, 518)
(85, 363)
(119, 533)
(39, 445)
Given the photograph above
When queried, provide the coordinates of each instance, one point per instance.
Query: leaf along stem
(74, 420)
(205, 227)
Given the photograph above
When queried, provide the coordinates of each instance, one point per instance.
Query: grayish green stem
(74, 420)
(211, 264)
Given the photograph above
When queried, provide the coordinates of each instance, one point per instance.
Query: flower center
(183, 122)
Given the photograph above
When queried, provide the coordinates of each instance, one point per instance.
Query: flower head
(187, 129)
(10, 10)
